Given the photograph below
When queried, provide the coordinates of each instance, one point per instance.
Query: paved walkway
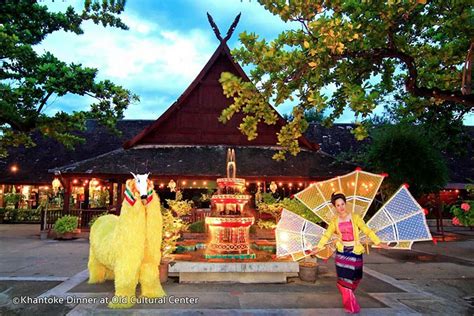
(432, 279)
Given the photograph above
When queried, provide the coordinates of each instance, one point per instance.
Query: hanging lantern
(172, 186)
(273, 187)
(56, 185)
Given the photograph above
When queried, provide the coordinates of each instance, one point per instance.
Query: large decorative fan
(359, 187)
(297, 236)
(401, 221)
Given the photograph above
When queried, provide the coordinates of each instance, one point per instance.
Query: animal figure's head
(141, 184)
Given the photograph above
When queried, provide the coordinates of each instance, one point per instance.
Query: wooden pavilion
(188, 144)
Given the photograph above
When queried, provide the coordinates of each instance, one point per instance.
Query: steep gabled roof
(193, 118)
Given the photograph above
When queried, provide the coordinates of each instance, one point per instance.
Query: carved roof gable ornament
(217, 31)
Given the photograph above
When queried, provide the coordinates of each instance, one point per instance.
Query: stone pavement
(432, 279)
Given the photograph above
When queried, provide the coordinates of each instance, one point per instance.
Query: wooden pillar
(120, 189)
(66, 182)
(111, 194)
(86, 196)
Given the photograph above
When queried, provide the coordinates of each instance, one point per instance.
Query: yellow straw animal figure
(128, 247)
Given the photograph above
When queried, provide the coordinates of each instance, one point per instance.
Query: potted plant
(65, 226)
(308, 270)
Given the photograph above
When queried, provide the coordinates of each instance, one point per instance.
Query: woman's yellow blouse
(357, 223)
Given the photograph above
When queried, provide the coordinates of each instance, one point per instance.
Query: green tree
(310, 116)
(352, 54)
(406, 153)
(442, 124)
(28, 80)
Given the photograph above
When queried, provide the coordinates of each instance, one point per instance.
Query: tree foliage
(310, 116)
(406, 153)
(443, 124)
(356, 55)
(29, 80)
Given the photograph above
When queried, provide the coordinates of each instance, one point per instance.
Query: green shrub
(66, 224)
(21, 215)
(12, 198)
(197, 227)
(274, 207)
(172, 229)
(463, 213)
(180, 207)
(299, 208)
(262, 224)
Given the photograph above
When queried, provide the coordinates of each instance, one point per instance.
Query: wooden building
(188, 144)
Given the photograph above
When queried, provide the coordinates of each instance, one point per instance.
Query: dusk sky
(168, 43)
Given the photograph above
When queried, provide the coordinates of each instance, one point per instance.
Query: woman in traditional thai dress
(349, 262)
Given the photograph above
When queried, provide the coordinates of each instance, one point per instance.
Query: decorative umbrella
(359, 187)
(401, 220)
(297, 237)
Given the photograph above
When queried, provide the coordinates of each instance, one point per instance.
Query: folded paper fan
(296, 236)
(359, 187)
(401, 221)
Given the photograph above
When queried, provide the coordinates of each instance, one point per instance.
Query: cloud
(147, 58)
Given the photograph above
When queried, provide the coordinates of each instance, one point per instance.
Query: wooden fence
(49, 217)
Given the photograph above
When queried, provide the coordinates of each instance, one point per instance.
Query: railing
(49, 217)
(85, 216)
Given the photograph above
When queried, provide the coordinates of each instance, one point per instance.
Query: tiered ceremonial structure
(230, 218)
